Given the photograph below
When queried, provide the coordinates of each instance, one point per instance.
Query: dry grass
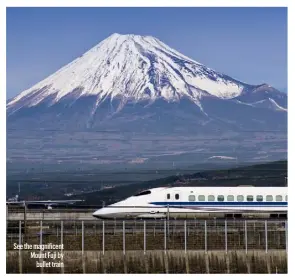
(158, 262)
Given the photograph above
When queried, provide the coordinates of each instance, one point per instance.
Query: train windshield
(143, 193)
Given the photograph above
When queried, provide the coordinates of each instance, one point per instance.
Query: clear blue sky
(249, 44)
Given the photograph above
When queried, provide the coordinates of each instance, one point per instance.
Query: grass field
(156, 262)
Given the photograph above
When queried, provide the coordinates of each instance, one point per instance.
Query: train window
(220, 198)
(250, 198)
(143, 193)
(259, 198)
(279, 198)
(286, 197)
(191, 198)
(240, 198)
(269, 198)
(230, 198)
(211, 198)
(177, 196)
(168, 195)
(201, 198)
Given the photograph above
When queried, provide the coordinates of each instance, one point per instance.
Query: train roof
(239, 186)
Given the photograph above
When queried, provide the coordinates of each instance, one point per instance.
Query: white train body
(187, 202)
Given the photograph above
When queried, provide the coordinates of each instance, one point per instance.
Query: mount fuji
(132, 83)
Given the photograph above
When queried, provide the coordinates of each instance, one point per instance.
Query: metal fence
(146, 235)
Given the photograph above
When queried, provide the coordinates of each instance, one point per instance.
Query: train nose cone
(100, 213)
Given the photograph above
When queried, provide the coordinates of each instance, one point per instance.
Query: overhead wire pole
(168, 217)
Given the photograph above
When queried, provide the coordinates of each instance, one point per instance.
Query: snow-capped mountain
(132, 79)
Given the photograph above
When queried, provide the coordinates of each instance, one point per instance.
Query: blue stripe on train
(219, 203)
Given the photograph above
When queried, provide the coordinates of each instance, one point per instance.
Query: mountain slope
(133, 68)
(137, 84)
(123, 80)
(136, 67)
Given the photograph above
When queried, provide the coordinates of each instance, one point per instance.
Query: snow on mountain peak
(132, 67)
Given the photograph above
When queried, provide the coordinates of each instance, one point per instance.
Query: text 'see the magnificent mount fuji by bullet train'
(203, 202)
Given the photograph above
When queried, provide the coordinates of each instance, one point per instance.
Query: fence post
(168, 219)
(185, 236)
(205, 225)
(115, 226)
(123, 237)
(20, 232)
(61, 242)
(206, 253)
(246, 237)
(41, 232)
(83, 257)
(165, 241)
(225, 235)
(25, 220)
(61, 232)
(20, 267)
(286, 235)
(144, 237)
(6, 219)
(82, 238)
(41, 240)
(265, 229)
(103, 241)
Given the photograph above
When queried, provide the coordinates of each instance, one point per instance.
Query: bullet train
(203, 202)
